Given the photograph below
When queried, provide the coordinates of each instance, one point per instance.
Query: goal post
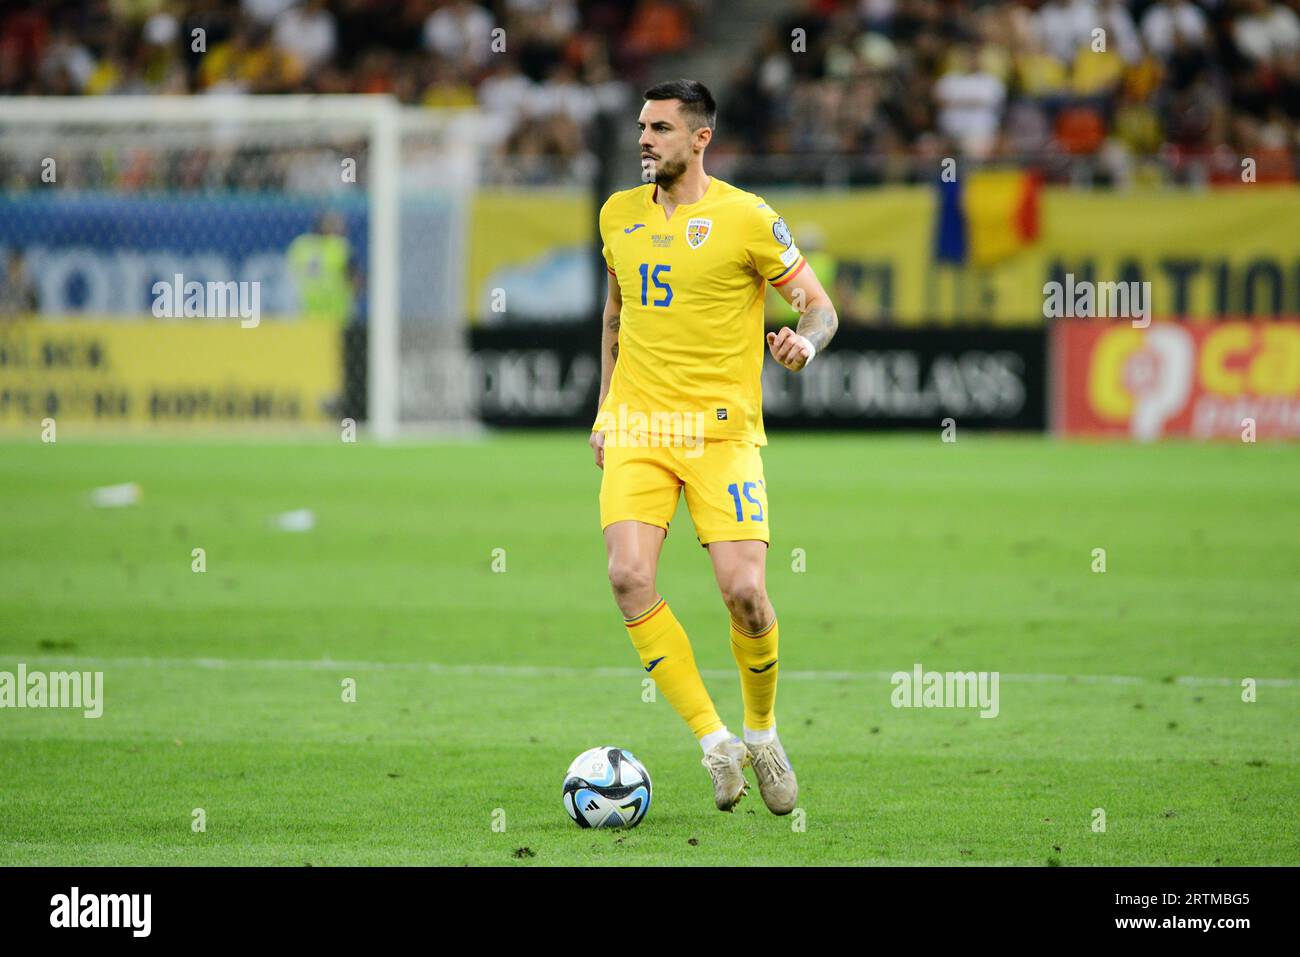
(105, 195)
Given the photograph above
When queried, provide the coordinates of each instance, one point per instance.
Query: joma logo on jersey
(697, 230)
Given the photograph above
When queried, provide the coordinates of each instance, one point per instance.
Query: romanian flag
(986, 216)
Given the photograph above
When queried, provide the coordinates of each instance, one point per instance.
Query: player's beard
(668, 171)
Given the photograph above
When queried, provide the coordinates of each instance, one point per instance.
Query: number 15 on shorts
(754, 509)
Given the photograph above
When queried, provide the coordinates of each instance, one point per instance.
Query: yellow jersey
(690, 338)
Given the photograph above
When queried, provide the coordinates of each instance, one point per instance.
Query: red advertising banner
(1238, 380)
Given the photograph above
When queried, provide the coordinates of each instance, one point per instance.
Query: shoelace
(767, 762)
(717, 762)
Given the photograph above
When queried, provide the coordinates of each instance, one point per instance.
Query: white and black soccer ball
(607, 787)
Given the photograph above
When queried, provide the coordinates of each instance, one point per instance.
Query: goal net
(287, 261)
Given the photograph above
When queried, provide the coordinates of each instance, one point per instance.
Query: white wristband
(811, 354)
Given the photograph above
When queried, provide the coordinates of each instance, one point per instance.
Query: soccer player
(689, 259)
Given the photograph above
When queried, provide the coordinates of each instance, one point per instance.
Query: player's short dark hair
(698, 105)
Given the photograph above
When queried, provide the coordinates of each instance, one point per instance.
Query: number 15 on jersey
(651, 274)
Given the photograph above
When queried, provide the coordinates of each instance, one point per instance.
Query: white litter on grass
(299, 520)
(115, 496)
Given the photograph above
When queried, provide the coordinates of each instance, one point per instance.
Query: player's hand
(597, 443)
(789, 348)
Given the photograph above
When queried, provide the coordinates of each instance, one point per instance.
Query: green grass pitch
(474, 688)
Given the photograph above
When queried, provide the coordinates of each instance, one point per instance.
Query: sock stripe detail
(752, 634)
(646, 615)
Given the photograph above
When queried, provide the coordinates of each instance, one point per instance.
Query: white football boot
(776, 781)
(726, 763)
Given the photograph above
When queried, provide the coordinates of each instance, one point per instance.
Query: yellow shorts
(723, 480)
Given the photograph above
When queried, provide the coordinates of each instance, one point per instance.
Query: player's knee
(630, 579)
(746, 599)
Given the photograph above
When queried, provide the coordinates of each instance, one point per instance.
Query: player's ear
(703, 136)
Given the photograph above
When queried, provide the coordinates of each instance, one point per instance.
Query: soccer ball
(606, 787)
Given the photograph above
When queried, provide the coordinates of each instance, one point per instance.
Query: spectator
(970, 105)
(67, 63)
(248, 63)
(1121, 32)
(448, 89)
(308, 34)
(658, 27)
(1170, 25)
(459, 31)
(1266, 32)
(265, 12)
(1065, 25)
(17, 291)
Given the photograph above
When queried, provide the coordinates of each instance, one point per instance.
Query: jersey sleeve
(604, 243)
(771, 247)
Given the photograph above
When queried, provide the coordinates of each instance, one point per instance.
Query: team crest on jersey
(697, 230)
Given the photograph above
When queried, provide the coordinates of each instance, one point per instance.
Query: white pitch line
(534, 671)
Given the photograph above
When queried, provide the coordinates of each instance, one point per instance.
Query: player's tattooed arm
(611, 319)
(610, 322)
(794, 348)
(609, 341)
(818, 324)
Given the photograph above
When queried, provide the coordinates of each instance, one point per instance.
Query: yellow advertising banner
(530, 255)
(1208, 255)
(172, 372)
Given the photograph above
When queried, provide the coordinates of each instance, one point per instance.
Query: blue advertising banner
(100, 255)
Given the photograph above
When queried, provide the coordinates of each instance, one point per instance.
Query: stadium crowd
(541, 68)
(1098, 89)
(1091, 88)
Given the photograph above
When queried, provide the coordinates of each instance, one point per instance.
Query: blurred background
(426, 257)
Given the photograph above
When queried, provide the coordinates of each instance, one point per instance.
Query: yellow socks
(666, 655)
(755, 656)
